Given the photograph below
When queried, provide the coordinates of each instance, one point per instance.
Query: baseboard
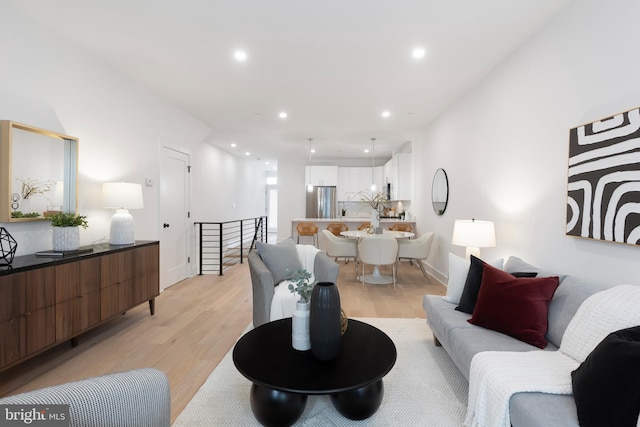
(439, 276)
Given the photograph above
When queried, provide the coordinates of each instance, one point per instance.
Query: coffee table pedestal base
(273, 408)
(359, 403)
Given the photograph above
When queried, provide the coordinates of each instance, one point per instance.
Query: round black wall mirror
(440, 191)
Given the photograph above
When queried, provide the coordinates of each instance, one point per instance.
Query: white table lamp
(474, 235)
(122, 196)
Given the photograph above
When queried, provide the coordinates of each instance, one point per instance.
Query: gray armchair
(137, 398)
(324, 270)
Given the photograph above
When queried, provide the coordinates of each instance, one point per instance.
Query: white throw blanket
(283, 303)
(495, 376)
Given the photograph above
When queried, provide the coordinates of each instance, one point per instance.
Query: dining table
(376, 277)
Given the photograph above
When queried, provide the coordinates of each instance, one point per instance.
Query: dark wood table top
(265, 356)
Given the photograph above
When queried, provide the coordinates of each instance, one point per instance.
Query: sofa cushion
(515, 264)
(467, 342)
(472, 284)
(605, 385)
(514, 306)
(280, 259)
(458, 270)
(542, 409)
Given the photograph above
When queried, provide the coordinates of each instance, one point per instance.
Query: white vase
(300, 327)
(375, 219)
(66, 238)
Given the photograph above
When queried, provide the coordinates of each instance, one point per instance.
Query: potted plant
(376, 202)
(300, 320)
(66, 230)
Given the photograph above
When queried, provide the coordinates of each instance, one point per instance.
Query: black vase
(324, 321)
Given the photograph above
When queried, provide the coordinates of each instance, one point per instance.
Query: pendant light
(373, 163)
(310, 184)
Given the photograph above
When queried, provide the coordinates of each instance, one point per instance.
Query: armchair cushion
(280, 259)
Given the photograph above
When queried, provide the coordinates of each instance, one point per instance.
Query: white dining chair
(378, 251)
(337, 247)
(416, 249)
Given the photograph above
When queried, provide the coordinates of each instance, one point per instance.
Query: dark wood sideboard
(47, 301)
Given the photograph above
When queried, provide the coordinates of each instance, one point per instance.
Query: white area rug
(424, 388)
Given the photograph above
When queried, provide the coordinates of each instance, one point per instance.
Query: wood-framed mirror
(38, 172)
(440, 192)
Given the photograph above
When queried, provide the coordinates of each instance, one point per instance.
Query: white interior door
(174, 218)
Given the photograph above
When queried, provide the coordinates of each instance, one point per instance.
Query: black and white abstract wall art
(603, 194)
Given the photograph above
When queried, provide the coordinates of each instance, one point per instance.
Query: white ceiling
(333, 66)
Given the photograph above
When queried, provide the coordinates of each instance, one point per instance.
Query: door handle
(165, 225)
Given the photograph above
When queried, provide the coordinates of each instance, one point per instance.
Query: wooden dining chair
(399, 226)
(364, 226)
(308, 229)
(337, 227)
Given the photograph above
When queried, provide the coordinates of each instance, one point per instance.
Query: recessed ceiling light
(283, 115)
(233, 144)
(240, 55)
(266, 163)
(366, 150)
(418, 53)
(386, 114)
(313, 150)
(246, 153)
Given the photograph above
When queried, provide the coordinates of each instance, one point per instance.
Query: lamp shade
(477, 234)
(122, 195)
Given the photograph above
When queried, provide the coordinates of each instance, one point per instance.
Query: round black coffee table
(283, 377)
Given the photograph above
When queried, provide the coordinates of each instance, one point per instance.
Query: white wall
(291, 195)
(49, 83)
(504, 145)
(227, 188)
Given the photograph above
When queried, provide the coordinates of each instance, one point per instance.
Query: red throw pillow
(517, 307)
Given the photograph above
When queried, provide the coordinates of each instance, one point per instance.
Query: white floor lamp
(122, 196)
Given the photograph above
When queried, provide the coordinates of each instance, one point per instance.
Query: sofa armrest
(262, 289)
(137, 398)
(325, 269)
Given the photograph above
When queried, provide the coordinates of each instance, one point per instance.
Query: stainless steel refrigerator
(321, 203)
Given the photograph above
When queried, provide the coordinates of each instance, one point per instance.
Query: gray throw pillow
(281, 259)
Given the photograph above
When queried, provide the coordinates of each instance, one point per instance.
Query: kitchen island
(353, 222)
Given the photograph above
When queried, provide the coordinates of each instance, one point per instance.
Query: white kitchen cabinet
(321, 175)
(353, 180)
(404, 177)
(378, 179)
(398, 172)
(343, 191)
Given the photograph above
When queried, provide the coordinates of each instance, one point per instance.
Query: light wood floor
(197, 321)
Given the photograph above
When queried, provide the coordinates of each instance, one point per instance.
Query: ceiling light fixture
(386, 114)
(240, 55)
(373, 163)
(418, 53)
(233, 145)
(366, 150)
(310, 184)
(246, 153)
(283, 115)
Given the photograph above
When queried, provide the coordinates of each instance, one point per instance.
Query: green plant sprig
(301, 286)
(68, 219)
